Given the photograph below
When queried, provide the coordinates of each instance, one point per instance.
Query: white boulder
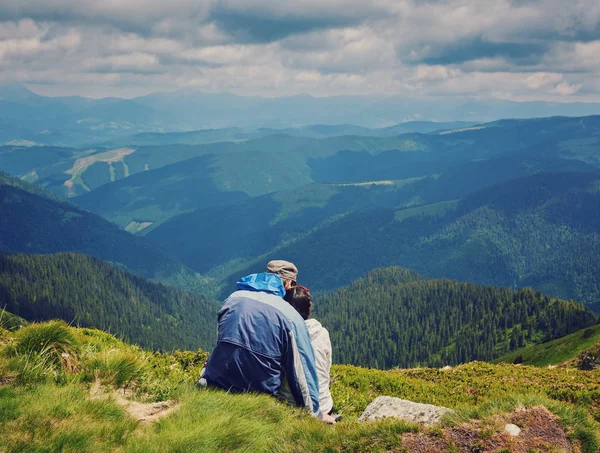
(388, 406)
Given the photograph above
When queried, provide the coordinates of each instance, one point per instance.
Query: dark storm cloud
(249, 21)
(517, 53)
(256, 26)
(127, 16)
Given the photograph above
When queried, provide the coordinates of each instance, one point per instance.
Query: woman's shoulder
(314, 325)
(316, 329)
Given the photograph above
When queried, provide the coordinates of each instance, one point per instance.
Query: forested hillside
(155, 196)
(33, 221)
(91, 293)
(541, 231)
(511, 202)
(275, 220)
(395, 318)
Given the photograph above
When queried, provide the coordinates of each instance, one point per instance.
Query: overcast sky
(519, 49)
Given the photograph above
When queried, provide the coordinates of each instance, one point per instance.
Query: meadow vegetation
(556, 351)
(48, 370)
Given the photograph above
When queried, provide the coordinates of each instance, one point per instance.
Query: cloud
(268, 21)
(478, 47)
(541, 79)
(136, 62)
(516, 49)
(564, 89)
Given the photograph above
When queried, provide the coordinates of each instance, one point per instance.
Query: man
(263, 342)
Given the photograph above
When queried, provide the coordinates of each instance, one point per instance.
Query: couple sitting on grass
(267, 344)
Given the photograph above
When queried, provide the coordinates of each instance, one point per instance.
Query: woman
(299, 297)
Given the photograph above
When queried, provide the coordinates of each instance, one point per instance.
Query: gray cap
(284, 269)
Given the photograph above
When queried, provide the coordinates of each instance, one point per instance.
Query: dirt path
(146, 412)
(143, 412)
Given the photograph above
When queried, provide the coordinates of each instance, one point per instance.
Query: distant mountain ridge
(392, 200)
(75, 121)
(206, 136)
(279, 162)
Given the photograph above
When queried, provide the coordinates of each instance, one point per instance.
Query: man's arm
(301, 370)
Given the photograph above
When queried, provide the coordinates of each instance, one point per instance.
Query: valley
(495, 203)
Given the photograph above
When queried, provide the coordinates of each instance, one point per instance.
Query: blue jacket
(263, 341)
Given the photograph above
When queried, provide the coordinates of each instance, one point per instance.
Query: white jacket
(319, 338)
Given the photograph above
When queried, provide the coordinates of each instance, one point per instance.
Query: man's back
(252, 342)
(263, 340)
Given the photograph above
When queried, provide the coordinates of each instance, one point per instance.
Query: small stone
(513, 430)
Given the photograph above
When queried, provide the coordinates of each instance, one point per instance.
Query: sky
(507, 49)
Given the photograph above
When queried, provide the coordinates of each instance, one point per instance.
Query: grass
(8, 321)
(59, 415)
(41, 351)
(556, 351)
(115, 367)
(52, 418)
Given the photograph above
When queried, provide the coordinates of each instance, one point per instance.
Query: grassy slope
(53, 411)
(556, 351)
(9, 321)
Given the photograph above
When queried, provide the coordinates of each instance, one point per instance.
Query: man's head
(286, 270)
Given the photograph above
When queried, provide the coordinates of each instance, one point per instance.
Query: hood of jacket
(264, 282)
(314, 328)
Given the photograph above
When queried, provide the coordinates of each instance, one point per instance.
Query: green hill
(395, 318)
(155, 196)
(540, 231)
(33, 221)
(63, 397)
(275, 220)
(279, 162)
(556, 351)
(89, 292)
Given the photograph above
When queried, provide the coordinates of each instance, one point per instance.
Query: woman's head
(299, 297)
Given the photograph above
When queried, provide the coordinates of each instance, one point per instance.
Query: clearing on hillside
(82, 164)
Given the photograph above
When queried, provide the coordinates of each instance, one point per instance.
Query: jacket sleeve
(301, 370)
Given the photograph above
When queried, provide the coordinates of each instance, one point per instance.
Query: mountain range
(510, 202)
(28, 118)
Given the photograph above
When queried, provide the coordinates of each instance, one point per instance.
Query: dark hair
(299, 297)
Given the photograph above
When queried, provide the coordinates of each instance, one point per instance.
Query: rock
(513, 430)
(387, 406)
